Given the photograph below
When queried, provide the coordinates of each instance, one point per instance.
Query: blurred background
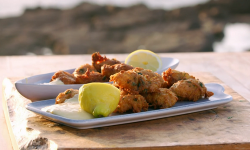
(46, 27)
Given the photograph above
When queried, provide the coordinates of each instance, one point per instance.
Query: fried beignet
(69, 93)
(108, 70)
(154, 80)
(129, 81)
(83, 68)
(98, 61)
(165, 98)
(190, 90)
(91, 77)
(64, 76)
(138, 80)
(171, 76)
(131, 102)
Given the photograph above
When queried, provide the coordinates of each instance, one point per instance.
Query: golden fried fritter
(129, 81)
(131, 102)
(91, 77)
(108, 70)
(69, 93)
(98, 61)
(171, 76)
(190, 90)
(138, 80)
(165, 98)
(154, 80)
(64, 76)
(84, 74)
(82, 69)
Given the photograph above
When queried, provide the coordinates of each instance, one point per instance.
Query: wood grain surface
(232, 68)
(226, 127)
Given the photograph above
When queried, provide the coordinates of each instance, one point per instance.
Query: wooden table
(229, 69)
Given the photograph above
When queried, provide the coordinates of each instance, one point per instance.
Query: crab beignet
(190, 90)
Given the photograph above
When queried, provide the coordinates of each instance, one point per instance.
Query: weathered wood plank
(225, 127)
(231, 68)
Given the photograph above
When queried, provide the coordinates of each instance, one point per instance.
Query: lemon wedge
(145, 59)
(99, 99)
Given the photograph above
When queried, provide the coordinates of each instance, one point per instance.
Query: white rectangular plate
(33, 87)
(179, 108)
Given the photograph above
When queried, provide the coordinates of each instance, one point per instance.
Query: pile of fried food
(139, 88)
(100, 71)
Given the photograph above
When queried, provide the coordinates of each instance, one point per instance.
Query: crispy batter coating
(138, 80)
(83, 68)
(131, 102)
(108, 70)
(165, 98)
(98, 61)
(171, 76)
(130, 81)
(65, 77)
(69, 93)
(144, 72)
(154, 80)
(165, 84)
(91, 77)
(190, 90)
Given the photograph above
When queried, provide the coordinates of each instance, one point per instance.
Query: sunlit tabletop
(233, 69)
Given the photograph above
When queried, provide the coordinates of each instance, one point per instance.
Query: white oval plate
(34, 89)
(179, 108)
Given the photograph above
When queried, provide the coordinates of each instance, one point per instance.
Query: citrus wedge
(99, 99)
(145, 59)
